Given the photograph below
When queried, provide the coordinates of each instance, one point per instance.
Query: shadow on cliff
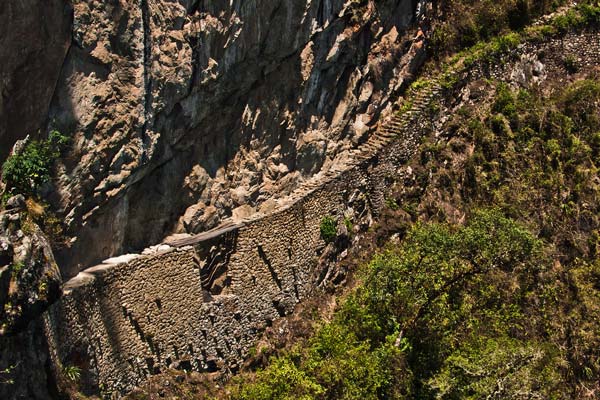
(34, 38)
(159, 192)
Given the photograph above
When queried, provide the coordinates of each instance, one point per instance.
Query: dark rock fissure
(147, 37)
(263, 256)
(296, 283)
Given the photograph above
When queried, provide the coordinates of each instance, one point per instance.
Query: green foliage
(17, 268)
(349, 225)
(406, 106)
(505, 101)
(334, 364)
(590, 11)
(549, 145)
(28, 170)
(434, 303)
(536, 158)
(570, 63)
(328, 228)
(490, 47)
(470, 24)
(419, 85)
(58, 141)
(570, 19)
(408, 284)
(494, 368)
(467, 23)
(282, 380)
(392, 204)
(72, 373)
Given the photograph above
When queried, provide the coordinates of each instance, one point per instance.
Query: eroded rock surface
(29, 277)
(184, 113)
(29, 282)
(34, 38)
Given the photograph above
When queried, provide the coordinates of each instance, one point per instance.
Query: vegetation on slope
(492, 289)
(420, 304)
(465, 23)
(26, 171)
(504, 306)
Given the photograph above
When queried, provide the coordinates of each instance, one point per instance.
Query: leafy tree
(495, 368)
(25, 172)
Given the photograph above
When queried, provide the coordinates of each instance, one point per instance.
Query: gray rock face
(34, 38)
(29, 282)
(183, 111)
(29, 277)
(25, 365)
(16, 203)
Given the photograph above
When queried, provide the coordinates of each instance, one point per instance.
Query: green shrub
(569, 20)
(505, 102)
(392, 204)
(25, 172)
(328, 229)
(590, 13)
(349, 225)
(58, 141)
(570, 63)
(282, 380)
(519, 365)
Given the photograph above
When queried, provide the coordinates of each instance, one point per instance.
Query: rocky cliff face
(188, 112)
(34, 38)
(29, 277)
(29, 282)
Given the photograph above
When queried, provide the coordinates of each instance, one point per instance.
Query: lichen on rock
(29, 277)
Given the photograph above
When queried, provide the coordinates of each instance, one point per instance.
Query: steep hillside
(486, 284)
(300, 214)
(494, 292)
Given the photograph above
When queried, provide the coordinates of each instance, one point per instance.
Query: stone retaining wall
(201, 304)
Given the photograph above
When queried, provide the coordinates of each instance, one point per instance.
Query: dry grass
(35, 209)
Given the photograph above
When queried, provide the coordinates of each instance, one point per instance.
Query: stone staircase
(395, 127)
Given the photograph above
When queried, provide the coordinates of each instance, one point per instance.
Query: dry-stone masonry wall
(198, 306)
(199, 302)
